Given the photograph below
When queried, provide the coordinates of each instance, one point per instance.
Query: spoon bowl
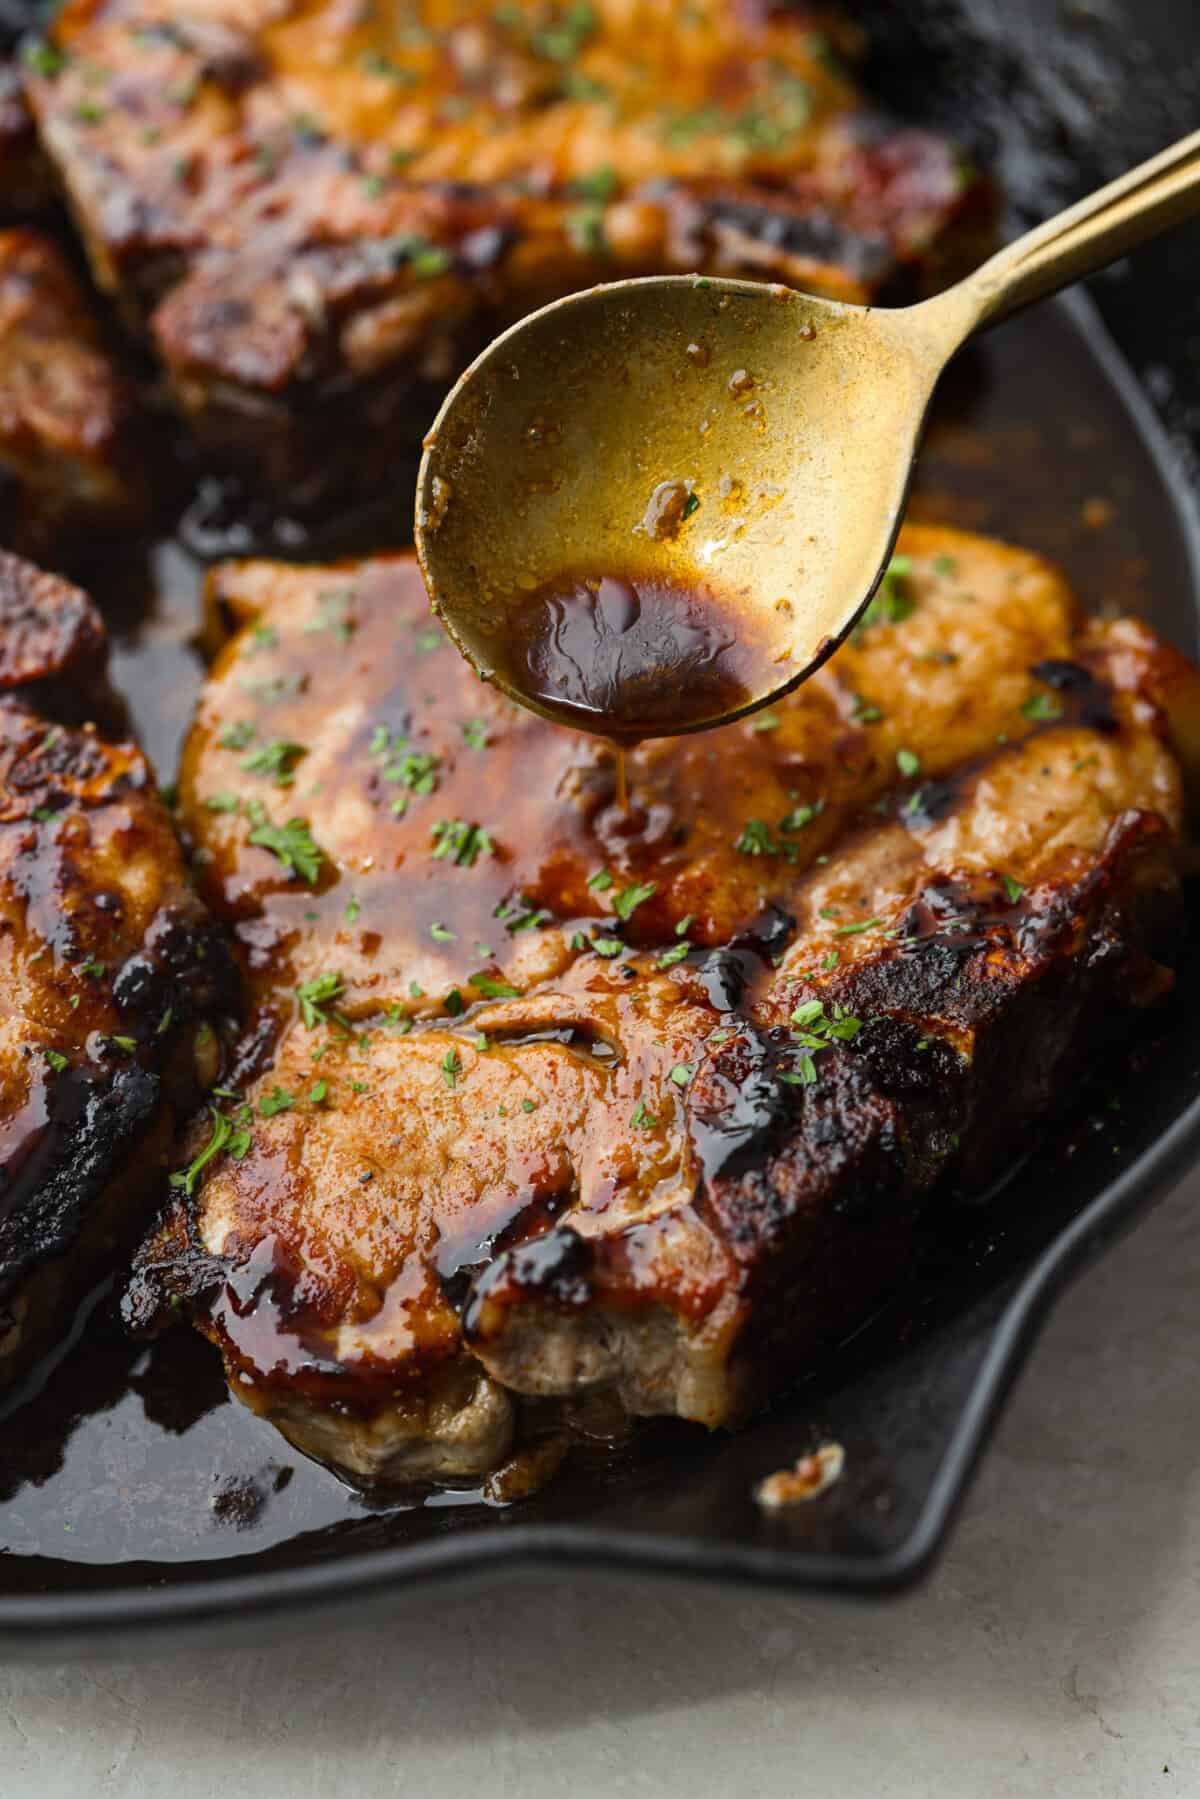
(641, 457)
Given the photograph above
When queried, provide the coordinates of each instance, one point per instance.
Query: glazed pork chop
(66, 433)
(109, 969)
(319, 212)
(552, 1099)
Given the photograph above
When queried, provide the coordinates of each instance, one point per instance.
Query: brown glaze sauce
(631, 657)
(121, 1457)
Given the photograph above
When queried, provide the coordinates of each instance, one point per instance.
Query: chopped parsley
(56, 1059)
(893, 601)
(491, 988)
(815, 1030)
(442, 933)
(1041, 708)
(629, 899)
(314, 996)
(353, 910)
(601, 881)
(565, 37)
(43, 58)
(598, 184)
(802, 816)
(642, 1119)
(671, 956)
(451, 1066)
(756, 839)
(608, 946)
(475, 733)
(1012, 888)
(853, 930)
(864, 712)
(222, 802)
(682, 1073)
(237, 736)
(294, 845)
(461, 841)
(277, 1101)
(318, 1093)
(226, 1135)
(333, 614)
(519, 914)
(585, 230)
(417, 771)
(908, 763)
(276, 758)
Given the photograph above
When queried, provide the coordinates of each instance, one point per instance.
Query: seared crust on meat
(109, 968)
(65, 411)
(550, 1097)
(25, 180)
(320, 214)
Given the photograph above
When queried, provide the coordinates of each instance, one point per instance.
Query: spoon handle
(1149, 199)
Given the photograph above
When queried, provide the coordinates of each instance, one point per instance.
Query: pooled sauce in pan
(132, 1462)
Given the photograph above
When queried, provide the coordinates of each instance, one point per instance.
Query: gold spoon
(685, 432)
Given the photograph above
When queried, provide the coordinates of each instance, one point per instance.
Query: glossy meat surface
(65, 428)
(321, 211)
(551, 1099)
(108, 969)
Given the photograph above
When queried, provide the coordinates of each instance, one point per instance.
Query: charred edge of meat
(93, 1118)
(54, 648)
(45, 1202)
(815, 1185)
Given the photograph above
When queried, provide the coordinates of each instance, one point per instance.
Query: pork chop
(110, 970)
(553, 1099)
(319, 212)
(66, 416)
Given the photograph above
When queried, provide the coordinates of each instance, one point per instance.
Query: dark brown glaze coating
(26, 183)
(320, 214)
(593, 1156)
(109, 971)
(345, 661)
(65, 410)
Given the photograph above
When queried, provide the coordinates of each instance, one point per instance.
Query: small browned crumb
(1096, 513)
(699, 355)
(741, 381)
(666, 510)
(807, 1479)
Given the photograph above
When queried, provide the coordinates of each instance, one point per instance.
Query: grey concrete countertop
(1056, 1651)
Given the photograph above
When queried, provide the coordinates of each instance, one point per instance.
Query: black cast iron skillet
(134, 1496)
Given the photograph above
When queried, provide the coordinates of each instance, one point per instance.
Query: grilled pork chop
(547, 1098)
(320, 211)
(65, 410)
(109, 968)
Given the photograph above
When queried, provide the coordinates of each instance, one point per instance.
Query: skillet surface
(132, 1490)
